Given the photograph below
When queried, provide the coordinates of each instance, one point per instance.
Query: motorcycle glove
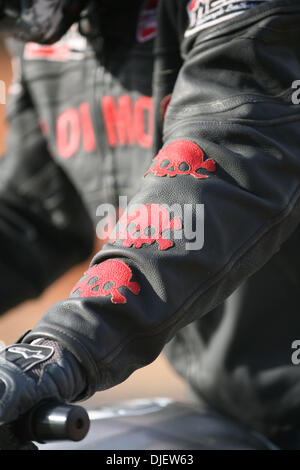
(35, 372)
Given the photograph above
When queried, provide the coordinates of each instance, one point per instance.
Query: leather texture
(231, 88)
(232, 98)
(59, 164)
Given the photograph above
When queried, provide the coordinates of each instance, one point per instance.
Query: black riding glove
(31, 373)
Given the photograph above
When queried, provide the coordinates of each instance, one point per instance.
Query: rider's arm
(44, 226)
(231, 143)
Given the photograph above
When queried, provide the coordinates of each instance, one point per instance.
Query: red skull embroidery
(145, 225)
(106, 279)
(181, 157)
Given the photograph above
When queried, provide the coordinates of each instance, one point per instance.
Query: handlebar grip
(53, 422)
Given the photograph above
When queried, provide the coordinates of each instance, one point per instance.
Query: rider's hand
(9, 440)
(30, 373)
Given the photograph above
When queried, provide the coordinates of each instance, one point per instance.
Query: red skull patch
(181, 157)
(146, 225)
(106, 279)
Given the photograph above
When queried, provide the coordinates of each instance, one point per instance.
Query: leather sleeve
(230, 165)
(44, 226)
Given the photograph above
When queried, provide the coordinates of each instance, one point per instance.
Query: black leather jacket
(81, 132)
(230, 158)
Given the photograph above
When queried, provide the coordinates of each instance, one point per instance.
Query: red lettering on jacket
(126, 123)
(118, 120)
(68, 133)
(57, 52)
(88, 133)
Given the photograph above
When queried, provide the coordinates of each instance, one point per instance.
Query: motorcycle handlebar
(53, 422)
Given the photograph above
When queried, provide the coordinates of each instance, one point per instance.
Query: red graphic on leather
(181, 157)
(147, 26)
(71, 46)
(106, 279)
(146, 225)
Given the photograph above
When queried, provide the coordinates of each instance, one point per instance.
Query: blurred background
(156, 380)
